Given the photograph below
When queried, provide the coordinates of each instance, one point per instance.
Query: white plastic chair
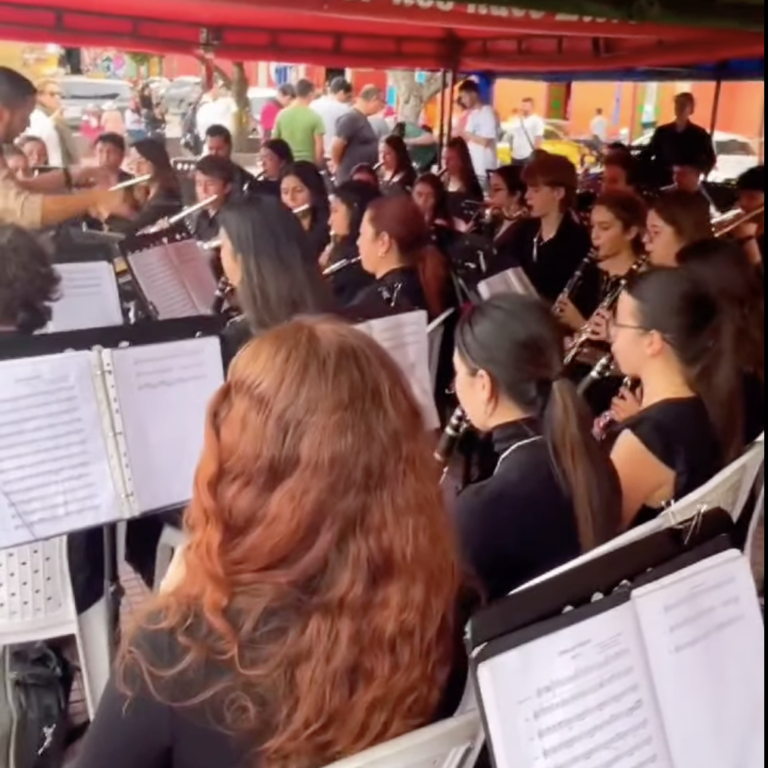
(171, 539)
(449, 744)
(730, 491)
(37, 603)
(436, 334)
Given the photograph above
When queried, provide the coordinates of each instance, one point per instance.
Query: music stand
(16, 346)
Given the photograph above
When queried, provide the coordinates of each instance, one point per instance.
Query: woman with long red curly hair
(316, 614)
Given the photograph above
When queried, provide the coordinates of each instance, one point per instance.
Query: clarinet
(457, 427)
(222, 296)
(599, 372)
(573, 285)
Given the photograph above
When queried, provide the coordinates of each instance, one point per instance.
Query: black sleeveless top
(680, 434)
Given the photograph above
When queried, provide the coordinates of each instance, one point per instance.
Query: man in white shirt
(599, 128)
(332, 107)
(527, 134)
(481, 131)
(42, 123)
(216, 109)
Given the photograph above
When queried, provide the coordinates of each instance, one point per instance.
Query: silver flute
(340, 265)
(131, 183)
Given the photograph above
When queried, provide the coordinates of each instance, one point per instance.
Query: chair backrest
(449, 744)
(730, 491)
(436, 334)
(35, 587)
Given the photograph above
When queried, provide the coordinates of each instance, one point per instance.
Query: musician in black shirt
(267, 259)
(751, 187)
(396, 248)
(276, 155)
(671, 334)
(214, 176)
(508, 207)
(110, 150)
(552, 244)
(680, 139)
(676, 219)
(349, 202)
(554, 494)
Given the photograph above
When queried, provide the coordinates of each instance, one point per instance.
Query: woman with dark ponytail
(554, 494)
(672, 335)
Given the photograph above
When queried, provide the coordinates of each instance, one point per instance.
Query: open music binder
(88, 297)
(666, 672)
(172, 273)
(89, 438)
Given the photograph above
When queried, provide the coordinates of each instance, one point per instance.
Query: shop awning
(424, 34)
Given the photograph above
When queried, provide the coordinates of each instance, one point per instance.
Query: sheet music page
(578, 698)
(513, 281)
(706, 645)
(89, 298)
(405, 338)
(162, 284)
(55, 474)
(195, 270)
(163, 392)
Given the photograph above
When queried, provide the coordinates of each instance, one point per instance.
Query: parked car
(78, 93)
(556, 141)
(735, 155)
(181, 94)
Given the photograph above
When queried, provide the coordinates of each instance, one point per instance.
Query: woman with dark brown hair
(159, 199)
(396, 248)
(315, 616)
(677, 219)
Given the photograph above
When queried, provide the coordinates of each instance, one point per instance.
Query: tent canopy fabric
(424, 34)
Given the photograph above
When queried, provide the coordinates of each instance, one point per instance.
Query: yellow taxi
(556, 142)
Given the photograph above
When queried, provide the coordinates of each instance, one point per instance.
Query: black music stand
(603, 576)
(17, 346)
(136, 244)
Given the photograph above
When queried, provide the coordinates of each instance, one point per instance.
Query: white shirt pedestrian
(599, 128)
(219, 111)
(525, 134)
(42, 127)
(483, 122)
(331, 110)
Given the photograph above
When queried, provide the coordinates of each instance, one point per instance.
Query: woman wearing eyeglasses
(671, 334)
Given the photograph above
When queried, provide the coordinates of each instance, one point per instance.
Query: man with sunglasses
(47, 123)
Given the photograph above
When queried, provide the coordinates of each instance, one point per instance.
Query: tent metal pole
(716, 106)
(442, 111)
(451, 105)
(635, 105)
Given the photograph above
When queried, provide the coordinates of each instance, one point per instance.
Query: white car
(735, 155)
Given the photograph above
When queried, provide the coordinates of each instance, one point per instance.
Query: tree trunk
(243, 119)
(412, 95)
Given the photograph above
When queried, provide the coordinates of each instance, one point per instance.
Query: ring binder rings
(96, 436)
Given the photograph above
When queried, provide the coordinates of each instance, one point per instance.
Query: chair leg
(93, 645)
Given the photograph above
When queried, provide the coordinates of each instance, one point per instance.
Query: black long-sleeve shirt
(670, 147)
(521, 522)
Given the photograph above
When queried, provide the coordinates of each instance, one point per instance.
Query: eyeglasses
(616, 326)
(54, 94)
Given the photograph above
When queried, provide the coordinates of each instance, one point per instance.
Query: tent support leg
(442, 112)
(716, 107)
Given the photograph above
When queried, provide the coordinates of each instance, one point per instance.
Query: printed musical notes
(513, 281)
(162, 394)
(579, 698)
(176, 279)
(405, 338)
(55, 473)
(706, 644)
(89, 298)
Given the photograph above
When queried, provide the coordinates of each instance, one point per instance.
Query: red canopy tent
(421, 34)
